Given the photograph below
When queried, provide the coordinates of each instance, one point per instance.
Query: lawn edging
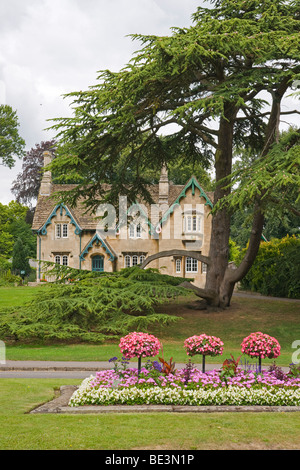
(60, 405)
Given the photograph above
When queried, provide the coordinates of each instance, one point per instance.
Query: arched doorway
(98, 263)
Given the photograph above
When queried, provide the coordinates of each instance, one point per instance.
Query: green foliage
(13, 225)
(11, 144)
(276, 270)
(20, 263)
(228, 56)
(274, 179)
(92, 307)
(234, 251)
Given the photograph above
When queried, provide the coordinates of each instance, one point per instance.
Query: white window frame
(127, 261)
(58, 231)
(178, 265)
(65, 260)
(204, 268)
(134, 260)
(62, 260)
(191, 265)
(142, 258)
(135, 230)
(192, 223)
(65, 230)
(61, 230)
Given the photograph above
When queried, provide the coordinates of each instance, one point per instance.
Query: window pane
(178, 265)
(65, 230)
(131, 231)
(194, 224)
(65, 260)
(58, 230)
(138, 231)
(134, 260)
(142, 259)
(127, 261)
(57, 259)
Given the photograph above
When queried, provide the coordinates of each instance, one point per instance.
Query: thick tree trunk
(221, 277)
(232, 276)
(219, 243)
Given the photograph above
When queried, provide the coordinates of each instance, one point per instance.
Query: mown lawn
(158, 431)
(246, 315)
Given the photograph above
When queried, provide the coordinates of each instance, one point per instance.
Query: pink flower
(139, 345)
(203, 344)
(260, 345)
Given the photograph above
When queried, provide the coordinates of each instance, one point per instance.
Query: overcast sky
(52, 47)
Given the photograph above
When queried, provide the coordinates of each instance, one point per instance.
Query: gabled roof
(192, 183)
(47, 207)
(98, 239)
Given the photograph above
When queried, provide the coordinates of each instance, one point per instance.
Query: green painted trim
(79, 250)
(96, 238)
(43, 230)
(191, 183)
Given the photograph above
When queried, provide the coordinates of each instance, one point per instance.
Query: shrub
(276, 269)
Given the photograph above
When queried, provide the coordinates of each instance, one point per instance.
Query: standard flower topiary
(139, 345)
(260, 345)
(204, 345)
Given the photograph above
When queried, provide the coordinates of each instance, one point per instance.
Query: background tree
(13, 225)
(27, 184)
(11, 144)
(206, 81)
(20, 255)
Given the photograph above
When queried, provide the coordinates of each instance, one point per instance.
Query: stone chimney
(163, 197)
(45, 188)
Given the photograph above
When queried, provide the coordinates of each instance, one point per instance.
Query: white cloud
(52, 47)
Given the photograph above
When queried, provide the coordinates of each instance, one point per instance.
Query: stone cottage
(179, 220)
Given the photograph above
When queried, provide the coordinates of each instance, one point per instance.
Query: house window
(133, 260)
(61, 231)
(192, 224)
(178, 265)
(135, 231)
(191, 265)
(65, 230)
(204, 268)
(65, 260)
(58, 231)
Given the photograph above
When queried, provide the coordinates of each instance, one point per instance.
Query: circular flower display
(203, 344)
(260, 345)
(139, 345)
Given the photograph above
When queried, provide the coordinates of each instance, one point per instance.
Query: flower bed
(188, 386)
